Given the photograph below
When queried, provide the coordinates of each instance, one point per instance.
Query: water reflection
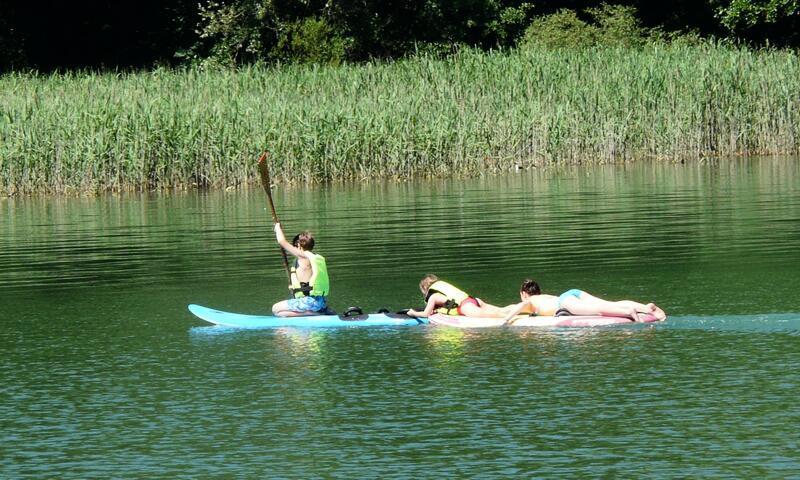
(106, 373)
(675, 234)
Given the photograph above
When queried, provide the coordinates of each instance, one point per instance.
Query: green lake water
(104, 372)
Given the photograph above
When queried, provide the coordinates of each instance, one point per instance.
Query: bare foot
(656, 314)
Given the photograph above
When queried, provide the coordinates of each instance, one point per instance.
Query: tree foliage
(233, 32)
(311, 40)
(613, 25)
(775, 20)
(113, 34)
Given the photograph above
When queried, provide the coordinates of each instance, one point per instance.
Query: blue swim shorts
(307, 304)
(569, 293)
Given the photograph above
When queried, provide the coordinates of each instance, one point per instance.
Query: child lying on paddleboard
(576, 302)
(442, 297)
(309, 277)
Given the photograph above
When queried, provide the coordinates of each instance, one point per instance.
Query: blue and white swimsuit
(569, 293)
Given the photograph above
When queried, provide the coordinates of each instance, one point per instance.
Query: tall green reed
(470, 113)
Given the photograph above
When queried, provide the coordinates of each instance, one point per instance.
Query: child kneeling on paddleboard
(442, 297)
(576, 302)
(309, 278)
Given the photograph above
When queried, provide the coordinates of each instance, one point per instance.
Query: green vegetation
(609, 25)
(174, 93)
(469, 112)
(109, 34)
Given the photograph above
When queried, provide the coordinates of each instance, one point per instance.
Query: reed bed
(471, 113)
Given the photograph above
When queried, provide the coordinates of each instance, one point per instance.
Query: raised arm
(286, 245)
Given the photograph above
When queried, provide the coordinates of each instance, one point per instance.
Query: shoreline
(254, 184)
(466, 115)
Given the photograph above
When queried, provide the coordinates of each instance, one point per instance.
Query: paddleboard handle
(353, 311)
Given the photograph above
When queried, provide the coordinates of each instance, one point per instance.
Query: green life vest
(318, 285)
(454, 296)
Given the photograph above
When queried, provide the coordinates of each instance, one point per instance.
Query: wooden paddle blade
(262, 168)
(265, 181)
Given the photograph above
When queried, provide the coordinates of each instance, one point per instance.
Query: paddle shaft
(265, 181)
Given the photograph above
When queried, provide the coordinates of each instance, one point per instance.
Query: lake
(106, 374)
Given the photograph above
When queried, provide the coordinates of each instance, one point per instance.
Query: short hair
(427, 281)
(304, 240)
(530, 287)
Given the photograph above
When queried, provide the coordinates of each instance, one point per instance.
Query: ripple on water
(105, 373)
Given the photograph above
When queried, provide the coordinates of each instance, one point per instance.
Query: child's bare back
(543, 305)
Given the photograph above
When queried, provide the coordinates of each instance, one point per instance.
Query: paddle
(265, 181)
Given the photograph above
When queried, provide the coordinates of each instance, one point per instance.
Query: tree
(775, 21)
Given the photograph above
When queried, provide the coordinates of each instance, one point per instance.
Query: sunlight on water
(106, 374)
(678, 235)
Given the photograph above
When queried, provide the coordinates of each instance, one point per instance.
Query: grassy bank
(474, 112)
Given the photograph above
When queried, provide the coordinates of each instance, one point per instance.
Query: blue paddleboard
(238, 320)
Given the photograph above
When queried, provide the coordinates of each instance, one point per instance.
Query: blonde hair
(427, 281)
